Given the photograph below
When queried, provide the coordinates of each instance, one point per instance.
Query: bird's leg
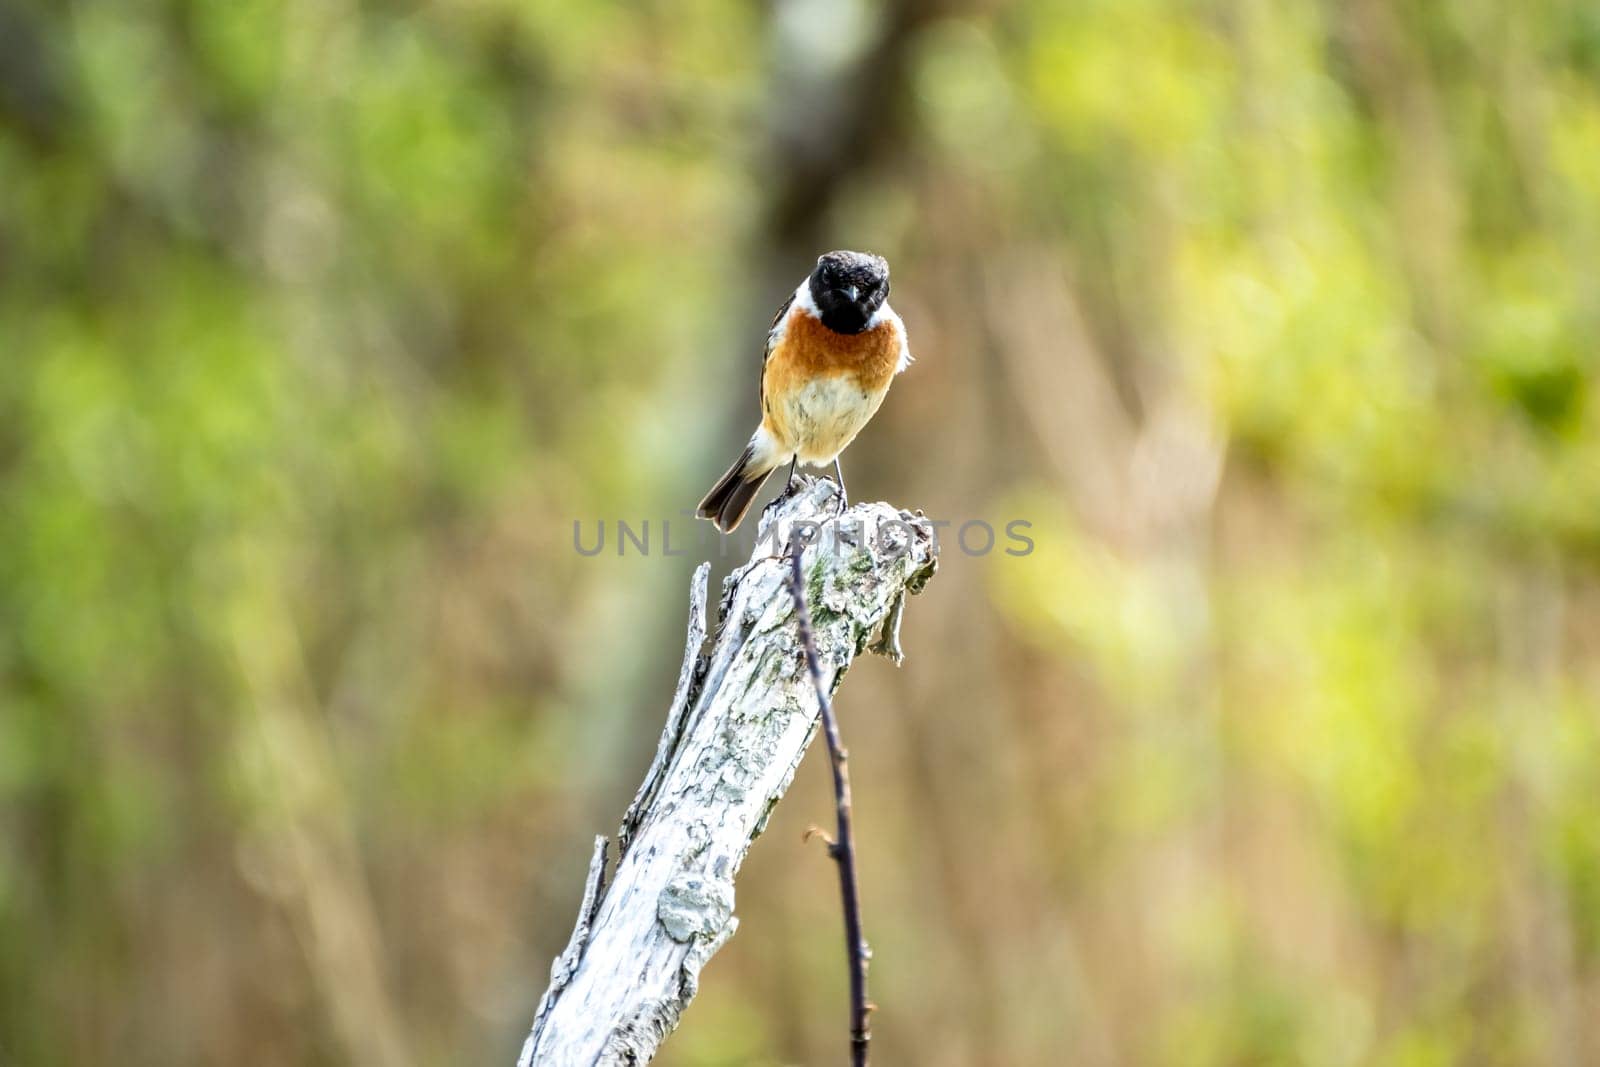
(838, 476)
(788, 488)
(788, 491)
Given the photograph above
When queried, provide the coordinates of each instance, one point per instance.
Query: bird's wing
(774, 335)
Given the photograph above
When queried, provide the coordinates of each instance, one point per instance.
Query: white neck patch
(804, 301)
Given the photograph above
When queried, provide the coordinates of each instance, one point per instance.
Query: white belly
(825, 415)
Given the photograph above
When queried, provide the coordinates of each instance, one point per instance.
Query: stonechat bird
(833, 349)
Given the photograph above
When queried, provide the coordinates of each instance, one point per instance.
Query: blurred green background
(321, 321)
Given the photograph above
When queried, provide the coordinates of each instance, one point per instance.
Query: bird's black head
(848, 287)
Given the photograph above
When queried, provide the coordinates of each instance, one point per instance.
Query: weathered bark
(736, 730)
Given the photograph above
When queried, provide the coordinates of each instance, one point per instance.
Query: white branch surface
(737, 728)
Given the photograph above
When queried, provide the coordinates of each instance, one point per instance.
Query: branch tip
(816, 831)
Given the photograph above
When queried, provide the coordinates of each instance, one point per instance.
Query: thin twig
(842, 850)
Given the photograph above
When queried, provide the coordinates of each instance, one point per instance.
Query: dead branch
(736, 730)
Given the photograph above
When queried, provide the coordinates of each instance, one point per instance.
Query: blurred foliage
(1278, 321)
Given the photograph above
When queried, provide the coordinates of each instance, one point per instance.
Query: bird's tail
(730, 498)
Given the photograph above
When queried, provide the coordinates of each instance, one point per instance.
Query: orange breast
(810, 350)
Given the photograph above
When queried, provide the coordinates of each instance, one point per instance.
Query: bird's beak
(852, 292)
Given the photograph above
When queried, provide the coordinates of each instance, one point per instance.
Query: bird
(832, 351)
